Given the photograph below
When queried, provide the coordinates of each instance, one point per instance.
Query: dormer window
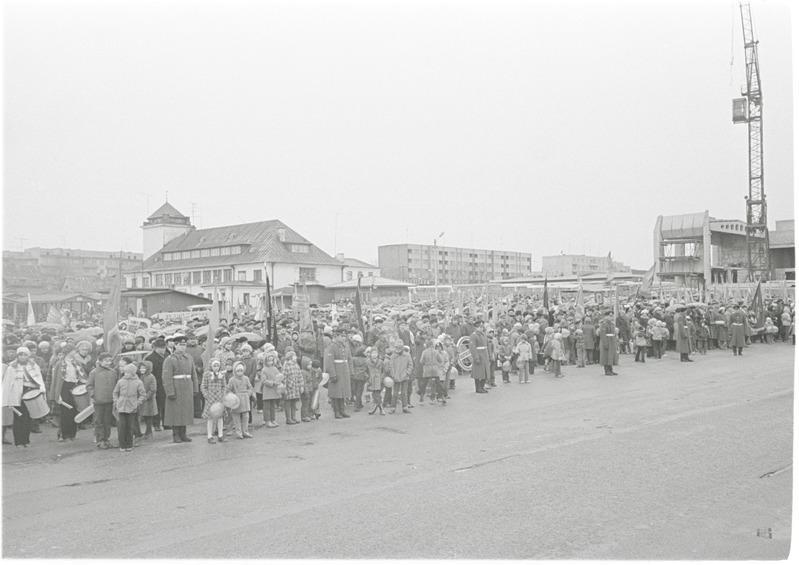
(299, 248)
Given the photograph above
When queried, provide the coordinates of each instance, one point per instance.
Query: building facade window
(196, 277)
(227, 275)
(206, 277)
(168, 279)
(257, 275)
(145, 282)
(307, 274)
(299, 248)
(159, 281)
(247, 298)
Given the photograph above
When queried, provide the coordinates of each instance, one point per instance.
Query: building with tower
(163, 225)
(235, 260)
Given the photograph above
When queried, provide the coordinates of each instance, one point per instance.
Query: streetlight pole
(435, 263)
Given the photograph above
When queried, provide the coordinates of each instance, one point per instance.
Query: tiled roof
(260, 244)
(353, 262)
(166, 209)
(368, 282)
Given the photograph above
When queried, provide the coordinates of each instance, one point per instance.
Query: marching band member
(21, 376)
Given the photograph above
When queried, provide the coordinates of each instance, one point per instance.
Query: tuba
(464, 353)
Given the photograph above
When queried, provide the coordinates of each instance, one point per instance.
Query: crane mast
(749, 110)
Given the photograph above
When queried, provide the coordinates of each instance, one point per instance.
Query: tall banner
(646, 284)
(213, 326)
(112, 342)
(757, 306)
(546, 294)
(358, 311)
(610, 268)
(271, 324)
(31, 315)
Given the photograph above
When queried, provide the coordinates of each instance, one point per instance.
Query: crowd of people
(400, 359)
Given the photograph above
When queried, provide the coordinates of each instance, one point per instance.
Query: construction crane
(749, 110)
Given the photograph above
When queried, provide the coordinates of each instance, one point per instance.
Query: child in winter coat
(149, 409)
(579, 345)
(374, 379)
(702, 335)
(213, 388)
(271, 379)
(128, 395)
(309, 387)
(294, 383)
(504, 353)
(100, 386)
(525, 353)
(656, 336)
(639, 336)
(241, 387)
(557, 354)
(547, 347)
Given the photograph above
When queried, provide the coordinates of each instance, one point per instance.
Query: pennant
(358, 306)
(31, 315)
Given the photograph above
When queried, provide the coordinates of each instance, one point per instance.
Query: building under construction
(697, 249)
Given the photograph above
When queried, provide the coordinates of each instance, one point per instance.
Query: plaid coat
(294, 380)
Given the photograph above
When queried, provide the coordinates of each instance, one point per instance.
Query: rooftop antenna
(195, 214)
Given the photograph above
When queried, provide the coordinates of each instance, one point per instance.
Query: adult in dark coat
(589, 338)
(608, 352)
(481, 362)
(157, 359)
(682, 334)
(195, 352)
(738, 326)
(337, 365)
(178, 376)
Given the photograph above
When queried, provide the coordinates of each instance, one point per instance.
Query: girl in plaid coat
(212, 388)
(294, 383)
(374, 382)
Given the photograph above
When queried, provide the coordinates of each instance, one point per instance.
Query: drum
(36, 403)
(81, 398)
(83, 414)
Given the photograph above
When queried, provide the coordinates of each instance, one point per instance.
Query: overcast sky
(528, 126)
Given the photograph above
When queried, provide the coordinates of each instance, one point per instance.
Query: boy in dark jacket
(100, 386)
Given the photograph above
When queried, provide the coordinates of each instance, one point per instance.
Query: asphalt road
(664, 461)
